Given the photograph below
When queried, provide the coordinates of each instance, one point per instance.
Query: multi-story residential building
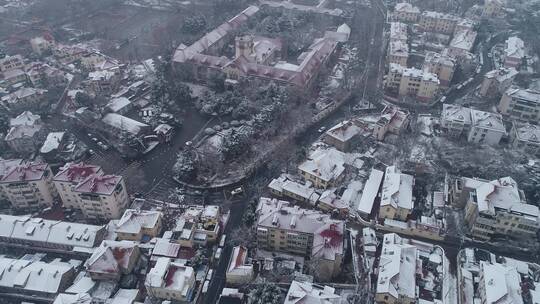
(486, 128)
(35, 278)
(284, 186)
(441, 65)
(11, 77)
(239, 272)
(112, 259)
(406, 12)
(197, 225)
(412, 82)
(409, 271)
(480, 127)
(498, 207)
(41, 44)
(103, 81)
(67, 179)
(521, 104)
(43, 235)
(24, 99)
(514, 52)
(497, 81)
(102, 196)
(29, 186)
(462, 43)
(11, 63)
(525, 137)
(5, 167)
(499, 283)
(138, 224)
(306, 292)
(396, 195)
(398, 52)
(170, 280)
(346, 134)
(25, 133)
(493, 8)
(323, 168)
(392, 120)
(309, 233)
(438, 22)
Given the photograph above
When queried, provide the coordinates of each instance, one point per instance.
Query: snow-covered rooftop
(118, 104)
(487, 120)
(238, 262)
(76, 172)
(123, 123)
(515, 48)
(53, 141)
(170, 275)
(463, 40)
(25, 171)
(371, 188)
(309, 293)
(134, 220)
(326, 164)
(528, 133)
(502, 283)
(111, 257)
(344, 131)
(99, 184)
(456, 113)
(397, 189)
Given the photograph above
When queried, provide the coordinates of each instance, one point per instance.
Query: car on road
(205, 286)
(210, 274)
(217, 255)
(322, 129)
(237, 191)
(94, 139)
(102, 145)
(222, 241)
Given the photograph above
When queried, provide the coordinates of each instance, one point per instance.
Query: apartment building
(346, 134)
(486, 128)
(497, 81)
(409, 271)
(11, 63)
(102, 196)
(169, 280)
(412, 82)
(438, 22)
(479, 126)
(29, 186)
(462, 43)
(499, 283)
(525, 137)
(398, 49)
(392, 120)
(441, 65)
(514, 52)
(284, 186)
(42, 235)
(69, 177)
(239, 271)
(521, 104)
(396, 195)
(41, 44)
(493, 8)
(323, 168)
(406, 12)
(309, 233)
(311, 293)
(24, 99)
(134, 225)
(498, 207)
(25, 134)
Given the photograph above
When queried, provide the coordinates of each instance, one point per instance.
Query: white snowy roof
(522, 94)
(398, 31)
(351, 195)
(170, 275)
(527, 132)
(326, 164)
(52, 232)
(502, 74)
(132, 221)
(463, 39)
(344, 131)
(238, 262)
(397, 189)
(124, 123)
(117, 104)
(397, 268)
(26, 118)
(33, 276)
(52, 142)
(309, 293)
(487, 120)
(371, 188)
(515, 47)
(305, 191)
(111, 257)
(456, 113)
(406, 8)
(398, 48)
(210, 211)
(79, 298)
(502, 284)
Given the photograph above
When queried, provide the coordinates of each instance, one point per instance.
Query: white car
(217, 255)
(237, 191)
(322, 129)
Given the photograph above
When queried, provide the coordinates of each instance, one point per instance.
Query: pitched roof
(26, 171)
(76, 172)
(99, 184)
(134, 220)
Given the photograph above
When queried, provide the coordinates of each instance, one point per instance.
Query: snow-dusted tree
(265, 293)
(184, 168)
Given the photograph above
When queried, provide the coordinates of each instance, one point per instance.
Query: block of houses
(25, 133)
(398, 52)
(514, 52)
(29, 186)
(309, 233)
(406, 12)
(404, 81)
(112, 259)
(462, 43)
(284, 186)
(392, 120)
(345, 135)
(329, 201)
(431, 21)
(169, 280)
(306, 292)
(525, 137)
(8, 63)
(521, 104)
(35, 278)
(138, 225)
(239, 271)
(455, 119)
(11, 77)
(102, 196)
(499, 207)
(397, 200)
(197, 225)
(497, 81)
(40, 234)
(67, 179)
(409, 271)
